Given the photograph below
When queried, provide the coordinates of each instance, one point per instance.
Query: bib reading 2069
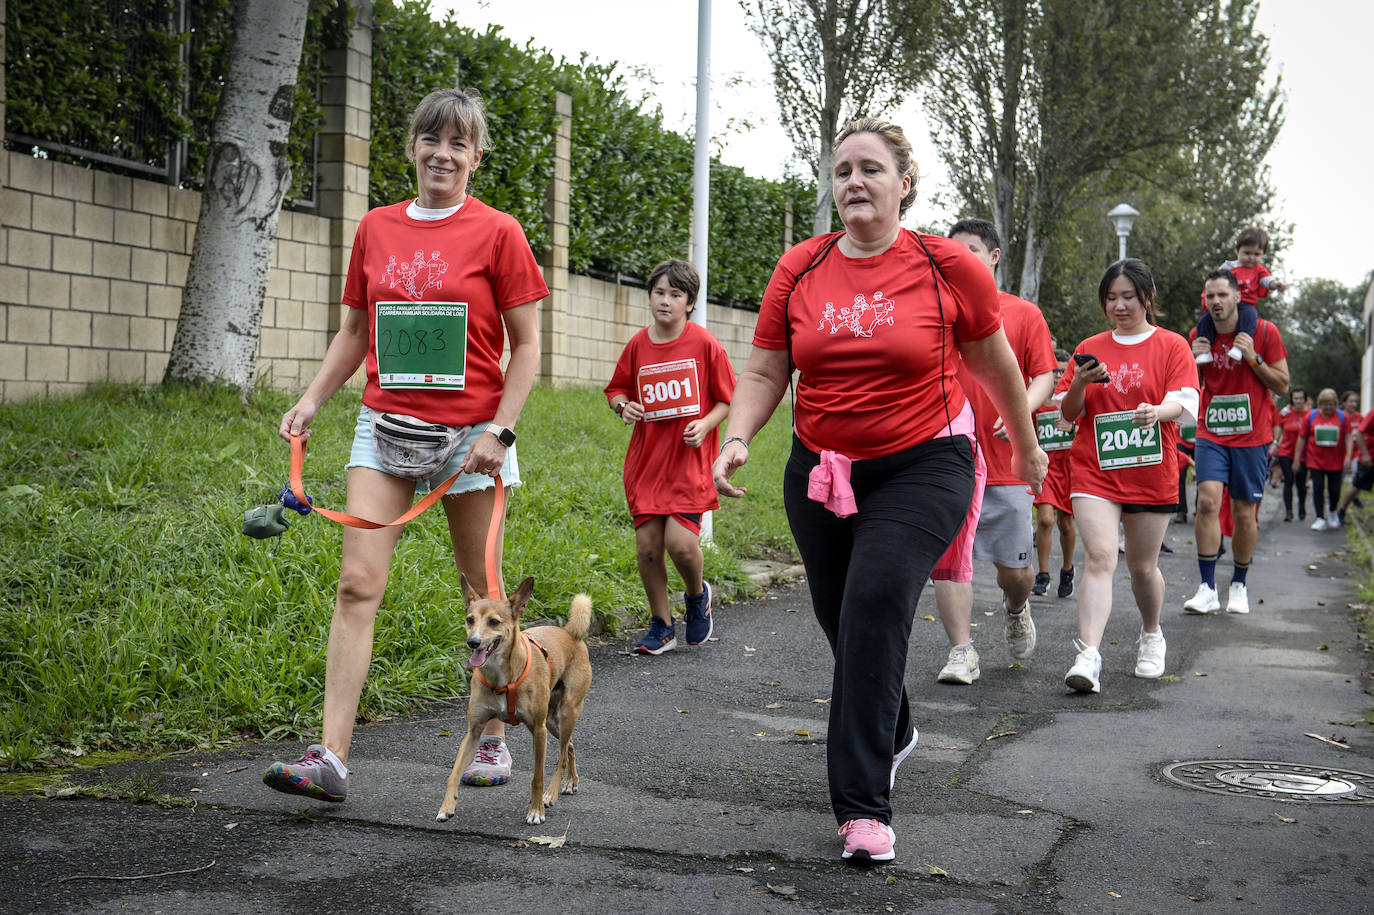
(670, 389)
(1229, 414)
(1121, 443)
(422, 344)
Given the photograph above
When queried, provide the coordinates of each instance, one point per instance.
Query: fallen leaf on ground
(59, 792)
(1285, 819)
(998, 736)
(445, 734)
(1338, 742)
(761, 734)
(928, 617)
(553, 841)
(1025, 811)
(745, 870)
(821, 701)
(938, 871)
(801, 733)
(1198, 673)
(786, 890)
(1113, 895)
(1323, 648)
(773, 705)
(684, 711)
(1170, 678)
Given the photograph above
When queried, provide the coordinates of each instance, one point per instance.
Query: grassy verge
(1360, 534)
(134, 614)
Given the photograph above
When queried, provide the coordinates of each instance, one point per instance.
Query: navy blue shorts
(1244, 469)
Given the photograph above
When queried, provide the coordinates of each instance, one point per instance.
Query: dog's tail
(579, 617)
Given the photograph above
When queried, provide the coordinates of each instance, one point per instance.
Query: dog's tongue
(479, 656)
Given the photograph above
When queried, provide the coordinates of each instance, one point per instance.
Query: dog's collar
(511, 689)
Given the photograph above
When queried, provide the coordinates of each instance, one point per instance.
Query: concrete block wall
(92, 271)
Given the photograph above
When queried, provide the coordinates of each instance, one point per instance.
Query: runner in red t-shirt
(999, 522)
(1290, 421)
(1363, 479)
(1321, 446)
(1127, 390)
(1234, 434)
(1350, 405)
(1054, 507)
(673, 383)
(436, 286)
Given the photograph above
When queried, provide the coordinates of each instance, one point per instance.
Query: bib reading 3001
(422, 344)
(670, 389)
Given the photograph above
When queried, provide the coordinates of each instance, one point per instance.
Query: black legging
(1332, 479)
(1289, 478)
(865, 573)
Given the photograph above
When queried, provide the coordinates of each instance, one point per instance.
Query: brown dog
(551, 672)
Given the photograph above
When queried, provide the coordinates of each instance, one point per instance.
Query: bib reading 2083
(422, 345)
(1121, 443)
(669, 390)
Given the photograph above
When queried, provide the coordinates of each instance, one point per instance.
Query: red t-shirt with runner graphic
(1240, 389)
(1142, 372)
(1318, 454)
(478, 256)
(676, 382)
(874, 343)
(1033, 347)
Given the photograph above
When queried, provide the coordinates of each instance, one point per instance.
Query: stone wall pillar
(344, 145)
(555, 364)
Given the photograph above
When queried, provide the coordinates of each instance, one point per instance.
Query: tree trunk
(247, 175)
(824, 199)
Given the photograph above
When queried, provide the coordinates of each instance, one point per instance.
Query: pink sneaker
(866, 841)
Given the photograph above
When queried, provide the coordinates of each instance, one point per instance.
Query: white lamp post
(1123, 217)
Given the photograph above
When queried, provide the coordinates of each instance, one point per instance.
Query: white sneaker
(1334, 524)
(1203, 358)
(1319, 524)
(1204, 601)
(901, 756)
(1086, 673)
(1235, 353)
(1020, 632)
(962, 666)
(1237, 601)
(1149, 658)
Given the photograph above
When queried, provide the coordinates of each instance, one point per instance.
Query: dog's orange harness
(510, 689)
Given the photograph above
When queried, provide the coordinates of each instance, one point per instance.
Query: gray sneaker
(312, 775)
(962, 666)
(1020, 632)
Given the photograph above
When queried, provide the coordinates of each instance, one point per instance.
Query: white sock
(337, 763)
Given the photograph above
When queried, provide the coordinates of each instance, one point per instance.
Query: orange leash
(494, 589)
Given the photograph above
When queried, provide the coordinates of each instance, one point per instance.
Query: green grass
(1358, 534)
(135, 615)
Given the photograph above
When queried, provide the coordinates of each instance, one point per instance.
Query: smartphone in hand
(1085, 361)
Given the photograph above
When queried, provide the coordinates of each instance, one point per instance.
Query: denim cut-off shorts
(364, 455)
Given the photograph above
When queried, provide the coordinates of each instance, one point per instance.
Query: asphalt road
(703, 783)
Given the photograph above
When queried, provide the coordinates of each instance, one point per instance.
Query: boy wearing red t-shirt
(673, 383)
(1254, 282)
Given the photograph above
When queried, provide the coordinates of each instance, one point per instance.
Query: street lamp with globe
(1123, 217)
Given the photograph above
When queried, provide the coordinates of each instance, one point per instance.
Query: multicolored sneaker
(312, 776)
(699, 623)
(491, 765)
(661, 637)
(867, 841)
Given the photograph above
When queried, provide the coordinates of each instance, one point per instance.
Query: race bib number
(1121, 443)
(421, 344)
(669, 390)
(1229, 414)
(1052, 438)
(1326, 435)
(1188, 434)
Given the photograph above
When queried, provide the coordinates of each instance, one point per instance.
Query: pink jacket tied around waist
(829, 484)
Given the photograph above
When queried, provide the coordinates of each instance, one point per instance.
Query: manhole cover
(1274, 781)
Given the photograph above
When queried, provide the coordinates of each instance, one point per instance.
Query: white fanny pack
(412, 448)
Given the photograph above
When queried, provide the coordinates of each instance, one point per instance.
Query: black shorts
(1364, 477)
(1128, 508)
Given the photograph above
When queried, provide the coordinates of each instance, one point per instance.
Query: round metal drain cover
(1275, 781)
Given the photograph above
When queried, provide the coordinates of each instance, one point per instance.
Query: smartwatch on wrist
(620, 407)
(503, 435)
(1258, 360)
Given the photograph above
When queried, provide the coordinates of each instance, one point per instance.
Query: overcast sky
(1320, 165)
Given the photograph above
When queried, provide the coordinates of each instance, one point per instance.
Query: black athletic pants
(1332, 479)
(866, 573)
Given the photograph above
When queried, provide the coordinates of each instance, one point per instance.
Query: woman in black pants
(875, 318)
(1291, 421)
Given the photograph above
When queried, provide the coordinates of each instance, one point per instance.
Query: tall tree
(1037, 100)
(248, 173)
(836, 59)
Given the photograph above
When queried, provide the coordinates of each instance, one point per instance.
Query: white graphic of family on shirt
(861, 318)
(417, 274)
(1127, 377)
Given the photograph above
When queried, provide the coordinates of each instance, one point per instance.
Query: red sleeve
(974, 290)
(1181, 367)
(516, 276)
(1039, 354)
(1261, 290)
(722, 373)
(355, 284)
(770, 330)
(622, 379)
(1271, 344)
